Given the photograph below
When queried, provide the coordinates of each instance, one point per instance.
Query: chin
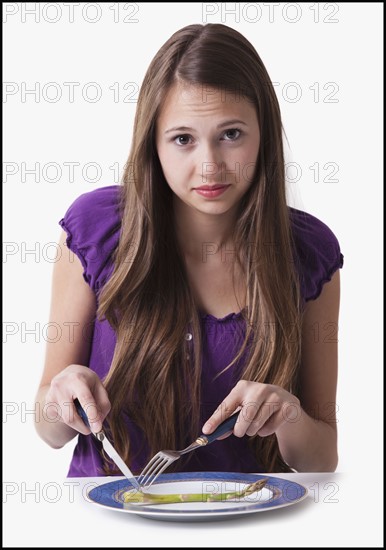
(214, 210)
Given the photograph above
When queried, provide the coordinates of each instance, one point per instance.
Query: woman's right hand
(77, 381)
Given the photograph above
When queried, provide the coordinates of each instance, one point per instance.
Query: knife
(108, 448)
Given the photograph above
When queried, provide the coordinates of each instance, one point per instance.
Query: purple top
(92, 224)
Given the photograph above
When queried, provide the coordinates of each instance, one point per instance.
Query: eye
(182, 139)
(232, 134)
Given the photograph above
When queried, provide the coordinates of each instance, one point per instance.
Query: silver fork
(163, 459)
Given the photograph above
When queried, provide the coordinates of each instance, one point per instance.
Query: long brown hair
(148, 300)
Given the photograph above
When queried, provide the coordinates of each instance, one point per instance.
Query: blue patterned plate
(277, 493)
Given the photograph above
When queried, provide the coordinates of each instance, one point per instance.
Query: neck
(203, 237)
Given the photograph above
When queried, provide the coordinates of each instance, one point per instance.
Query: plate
(277, 493)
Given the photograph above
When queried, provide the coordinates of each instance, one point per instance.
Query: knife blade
(108, 448)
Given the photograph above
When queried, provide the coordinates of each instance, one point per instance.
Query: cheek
(175, 166)
(163, 157)
(166, 163)
(173, 169)
(247, 162)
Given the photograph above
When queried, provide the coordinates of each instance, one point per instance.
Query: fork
(163, 459)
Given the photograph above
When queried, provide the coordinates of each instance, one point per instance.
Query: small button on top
(188, 336)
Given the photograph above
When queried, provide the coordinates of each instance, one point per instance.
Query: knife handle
(82, 413)
(80, 410)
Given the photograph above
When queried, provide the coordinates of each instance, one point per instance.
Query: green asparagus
(138, 497)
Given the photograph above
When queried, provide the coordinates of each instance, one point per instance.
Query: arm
(65, 375)
(310, 444)
(305, 427)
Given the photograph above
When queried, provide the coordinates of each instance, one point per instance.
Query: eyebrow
(222, 125)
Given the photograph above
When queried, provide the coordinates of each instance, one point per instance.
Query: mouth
(211, 187)
(211, 191)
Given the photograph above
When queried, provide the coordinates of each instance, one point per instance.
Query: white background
(311, 51)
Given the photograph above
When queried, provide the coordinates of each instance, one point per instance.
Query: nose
(211, 166)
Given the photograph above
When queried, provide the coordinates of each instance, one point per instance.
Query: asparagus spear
(138, 497)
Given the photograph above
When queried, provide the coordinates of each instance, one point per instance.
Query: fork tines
(153, 469)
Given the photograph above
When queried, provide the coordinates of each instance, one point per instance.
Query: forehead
(185, 100)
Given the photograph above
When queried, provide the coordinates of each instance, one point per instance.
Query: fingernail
(207, 427)
(96, 427)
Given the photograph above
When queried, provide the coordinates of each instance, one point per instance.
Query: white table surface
(58, 514)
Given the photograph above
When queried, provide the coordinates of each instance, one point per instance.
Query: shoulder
(317, 252)
(92, 223)
(103, 199)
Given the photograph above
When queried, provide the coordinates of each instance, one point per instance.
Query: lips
(211, 187)
(211, 191)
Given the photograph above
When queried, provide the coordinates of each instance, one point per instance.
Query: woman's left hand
(263, 409)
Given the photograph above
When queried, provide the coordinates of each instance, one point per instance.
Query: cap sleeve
(317, 252)
(92, 224)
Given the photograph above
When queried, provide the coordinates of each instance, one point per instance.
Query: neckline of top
(232, 315)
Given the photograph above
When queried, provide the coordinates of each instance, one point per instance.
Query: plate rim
(159, 512)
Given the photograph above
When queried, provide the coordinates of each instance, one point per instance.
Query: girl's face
(207, 137)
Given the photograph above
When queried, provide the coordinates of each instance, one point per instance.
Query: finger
(225, 435)
(288, 412)
(249, 411)
(270, 426)
(224, 411)
(60, 402)
(76, 422)
(229, 405)
(92, 411)
(73, 419)
(59, 409)
(52, 411)
(266, 411)
(102, 400)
